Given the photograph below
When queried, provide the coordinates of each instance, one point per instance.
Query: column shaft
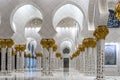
(18, 61)
(100, 60)
(3, 64)
(9, 56)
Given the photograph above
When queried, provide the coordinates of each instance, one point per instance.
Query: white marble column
(61, 63)
(89, 61)
(38, 65)
(49, 58)
(81, 62)
(76, 62)
(13, 62)
(9, 59)
(100, 59)
(26, 61)
(22, 61)
(44, 61)
(93, 62)
(18, 61)
(86, 61)
(3, 59)
(9, 43)
(100, 33)
(56, 61)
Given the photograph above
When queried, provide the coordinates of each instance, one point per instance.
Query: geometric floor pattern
(56, 75)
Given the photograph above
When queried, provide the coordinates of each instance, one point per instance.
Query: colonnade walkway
(56, 75)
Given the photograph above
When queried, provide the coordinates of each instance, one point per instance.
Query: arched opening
(30, 49)
(65, 11)
(24, 14)
(24, 19)
(66, 47)
(68, 24)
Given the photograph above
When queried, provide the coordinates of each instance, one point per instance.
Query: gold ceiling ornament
(89, 42)
(101, 32)
(9, 43)
(117, 11)
(22, 47)
(3, 43)
(81, 47)
(39, 55)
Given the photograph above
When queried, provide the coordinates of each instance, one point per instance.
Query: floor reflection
(57, 75)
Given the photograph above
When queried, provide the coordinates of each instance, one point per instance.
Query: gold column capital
(13, 53)
(44, 43)
(81, 47)
(39, 54)
(89, 42)
(101, 32)
(58, 55)
(47, 43)
(51, 42)
(25, 55)
(54, 47)
(3, 43)
(117, 11)
(22, 47)
(17, 48)
(0, 41)
(9, 43)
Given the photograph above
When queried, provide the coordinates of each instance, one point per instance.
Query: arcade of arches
(59, 40)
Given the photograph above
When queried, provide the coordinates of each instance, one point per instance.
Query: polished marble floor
(56, 75)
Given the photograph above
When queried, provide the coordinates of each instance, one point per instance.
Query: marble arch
(61, 10)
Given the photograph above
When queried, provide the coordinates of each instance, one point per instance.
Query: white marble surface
(57, 75)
